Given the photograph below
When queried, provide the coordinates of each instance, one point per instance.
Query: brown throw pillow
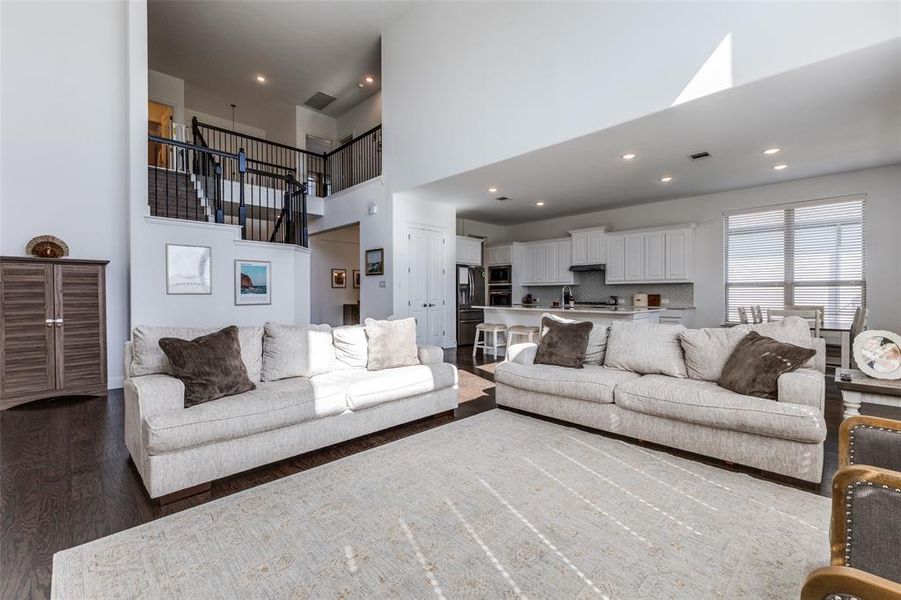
(562, 344)
(210, 366)
(757, 362)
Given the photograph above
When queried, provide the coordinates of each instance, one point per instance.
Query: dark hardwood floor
(66, 477)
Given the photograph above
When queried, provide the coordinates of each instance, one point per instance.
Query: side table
(863, 388)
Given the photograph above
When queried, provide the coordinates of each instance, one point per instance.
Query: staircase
(173, 194)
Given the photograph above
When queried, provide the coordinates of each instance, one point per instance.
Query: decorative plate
(47, 246)
(878, 354)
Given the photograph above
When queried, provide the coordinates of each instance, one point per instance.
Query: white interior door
(426, 275)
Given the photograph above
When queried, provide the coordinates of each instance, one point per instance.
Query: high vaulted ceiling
(838, 115)
(300, 47)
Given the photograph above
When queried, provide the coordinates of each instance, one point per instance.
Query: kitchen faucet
(566, 296)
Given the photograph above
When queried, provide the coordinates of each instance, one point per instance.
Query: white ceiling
(838, 115)
(301, 47)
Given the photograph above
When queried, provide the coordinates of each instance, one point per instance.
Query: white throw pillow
(707, 350)
(297, 351)
(597, 339)
(645, 348)
(392, 344)
(351, 346)
(148, 358)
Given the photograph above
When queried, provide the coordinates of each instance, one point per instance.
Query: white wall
(352, 206)
(489, 232)
(470, 83)
(52, 120)
(334, 250)
(882, 187)
(224, 123)
(310, 122)
(361, 118)
(152, 306)
(169, 90)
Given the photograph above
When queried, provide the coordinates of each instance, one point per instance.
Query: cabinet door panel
(634, 257)
(580, 242)
(28, 361)
(677, 255)
(654, 256)
(564, 261)
(539, 259)
(553, 263)
(615, 259)
(81, 335)
(506, 255)
(596, 248)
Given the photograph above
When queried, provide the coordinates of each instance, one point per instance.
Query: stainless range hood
(595, 267)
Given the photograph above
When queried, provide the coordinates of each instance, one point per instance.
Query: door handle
(431, 305)
(425, 305)
(49, 322)
(59, 322)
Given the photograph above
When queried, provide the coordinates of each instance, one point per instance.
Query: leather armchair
(865, 533)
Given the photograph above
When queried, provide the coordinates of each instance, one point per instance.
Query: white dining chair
(818, 307)
(812, 316)
(858, 326)
(757, 314)
(742, 315)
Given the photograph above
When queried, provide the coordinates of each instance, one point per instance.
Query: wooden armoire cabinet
(52, 328)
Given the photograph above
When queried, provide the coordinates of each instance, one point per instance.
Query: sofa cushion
(705, 403)
(392, 343)
(297, 351)
(149, 359)
(707, 350)
(757, 363)
(597, 339)
(592, 383)
(563, 344)
(645, 348)
(272, 405)
(367, 388)
(210, 366)
(351, 346)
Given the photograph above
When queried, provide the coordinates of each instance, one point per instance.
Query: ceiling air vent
(319, 100)
(699, 155)
(502, 198)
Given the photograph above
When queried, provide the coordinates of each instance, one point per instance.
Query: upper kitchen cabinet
(661, 255)
(589, 246)
(500, 255)
(469, 251)
(545, 263)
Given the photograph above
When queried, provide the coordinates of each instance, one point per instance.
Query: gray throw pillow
(562, 344)
(210, 366)
(297, 351)
(392, 344)
(597, 339)
(757, 362)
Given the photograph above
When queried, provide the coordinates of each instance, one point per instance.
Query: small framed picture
(356, 273)
(253, 282)
(188, 270)
(339, 278)
(375, 261)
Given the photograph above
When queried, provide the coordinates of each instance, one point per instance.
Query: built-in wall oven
(499, 275)
(500, 296)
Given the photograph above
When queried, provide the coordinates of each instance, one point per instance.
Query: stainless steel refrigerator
(470, 293)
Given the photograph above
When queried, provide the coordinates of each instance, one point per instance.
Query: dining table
(839, 329)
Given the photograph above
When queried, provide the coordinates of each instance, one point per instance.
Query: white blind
(805, 254)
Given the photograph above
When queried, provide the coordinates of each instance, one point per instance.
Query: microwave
(499, 275)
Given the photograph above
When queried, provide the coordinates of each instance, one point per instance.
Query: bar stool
(523, 331)
(495, 330)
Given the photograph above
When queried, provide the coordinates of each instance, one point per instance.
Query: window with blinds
(806, 254)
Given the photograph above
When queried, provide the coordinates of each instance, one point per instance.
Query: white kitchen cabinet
(469, 251)
(499, 255)
(661, 255)
(589, 246)
(546, 263)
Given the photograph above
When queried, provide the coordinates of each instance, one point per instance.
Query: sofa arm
(430, 355)
(145, 396)
(804, 386)
(819, 359)
(523, 354)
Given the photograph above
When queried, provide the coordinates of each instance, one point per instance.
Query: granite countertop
(596, 309)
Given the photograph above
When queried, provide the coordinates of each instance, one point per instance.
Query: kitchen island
(531, 315)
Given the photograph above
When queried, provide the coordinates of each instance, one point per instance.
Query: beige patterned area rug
(498, 505)
(472, 387)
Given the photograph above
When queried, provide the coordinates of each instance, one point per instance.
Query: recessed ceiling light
(359, 85)
(261, 79)
(780, 167)
(539, 203)
(492, 189)
(628, 156)
(666, 179)
(369, 79)
(772, 150)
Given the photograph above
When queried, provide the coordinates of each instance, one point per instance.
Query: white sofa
(688, 411)
(175, 448)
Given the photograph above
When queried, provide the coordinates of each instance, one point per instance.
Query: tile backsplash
(589, 286)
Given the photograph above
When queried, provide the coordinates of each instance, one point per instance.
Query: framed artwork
(356, 273)
(253, 282)
(188, 270)
(375, 261)
(339, 278)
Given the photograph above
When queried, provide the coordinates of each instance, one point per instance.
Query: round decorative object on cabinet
(47, 246)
